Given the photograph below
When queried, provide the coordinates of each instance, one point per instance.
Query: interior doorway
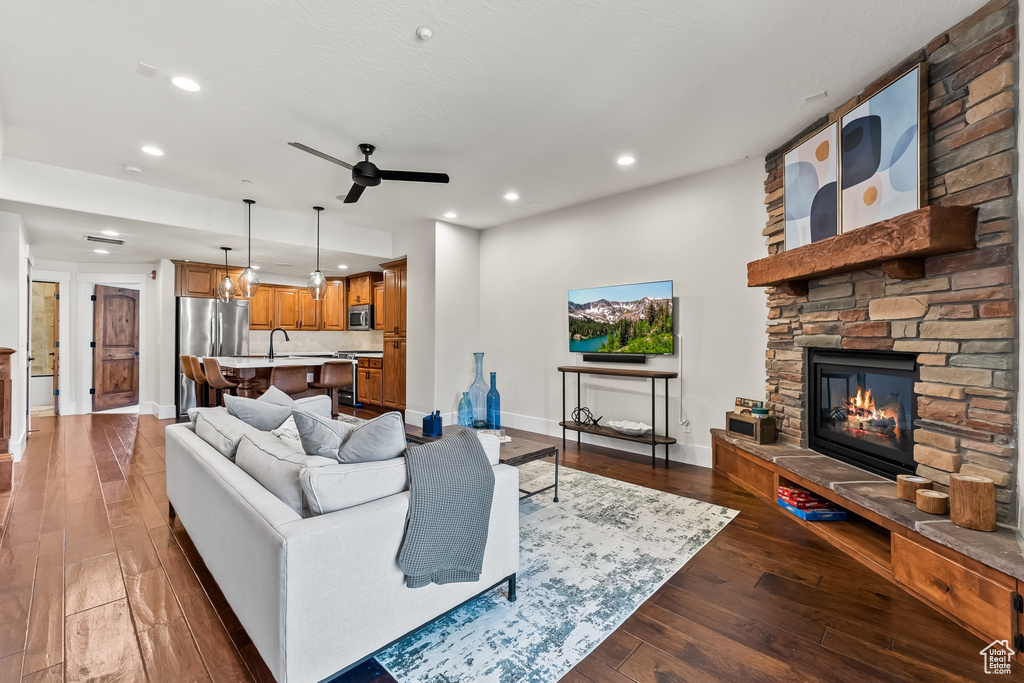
(115, 348)
(44, 349)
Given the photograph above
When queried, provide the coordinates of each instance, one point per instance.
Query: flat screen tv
(622, 319)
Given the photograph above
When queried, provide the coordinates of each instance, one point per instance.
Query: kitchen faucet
(276, 329)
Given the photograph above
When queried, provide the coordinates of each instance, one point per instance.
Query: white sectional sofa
(322, 593)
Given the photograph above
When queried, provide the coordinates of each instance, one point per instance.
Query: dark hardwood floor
(97, 584)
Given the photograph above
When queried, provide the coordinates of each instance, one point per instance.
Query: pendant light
(226, 290)
(248, 281)
(317, 282)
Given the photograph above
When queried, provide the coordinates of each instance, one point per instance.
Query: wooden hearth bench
(973, 577)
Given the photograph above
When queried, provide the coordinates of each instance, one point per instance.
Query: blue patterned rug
(585, 564)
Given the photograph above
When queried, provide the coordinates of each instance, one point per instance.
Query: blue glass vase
(465, 410)
(478, 394)
(493, 406)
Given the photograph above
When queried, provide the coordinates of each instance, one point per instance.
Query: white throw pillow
(261, 414)
(319, 435)
(382, 438)
(317, 405)
(221, 430)
(277, 467)
(335, 487)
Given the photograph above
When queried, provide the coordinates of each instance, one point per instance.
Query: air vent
(103, 240)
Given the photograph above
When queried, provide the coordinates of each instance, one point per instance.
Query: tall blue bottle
(465, 410)
(493, 406)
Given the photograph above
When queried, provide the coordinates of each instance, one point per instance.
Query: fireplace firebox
(862, 408)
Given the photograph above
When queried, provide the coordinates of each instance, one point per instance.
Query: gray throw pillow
(318, 405)
(335, 487)
(274, 465)
(263, 415)
(382, 438)
(219, 429)
(277, 397)
(320, 436)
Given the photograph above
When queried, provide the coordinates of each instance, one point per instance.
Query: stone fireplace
(956, 325)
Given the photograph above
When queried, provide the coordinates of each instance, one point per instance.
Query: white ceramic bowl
(631, 428)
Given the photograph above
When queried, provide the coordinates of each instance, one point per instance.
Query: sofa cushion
(343, 485)
(382, 438)
(277, 467)
(320, 436)
(219, 429)
(263, 415)
(317, 405)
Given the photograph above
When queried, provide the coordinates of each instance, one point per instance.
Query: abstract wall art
(881, 154)
(811, 192)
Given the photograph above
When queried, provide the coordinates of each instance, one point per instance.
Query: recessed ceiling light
(111, 233)
(283, 265)
(625, 160)
(131, 168)
(255, 267)
(342, 267)
(187, 260)
(451, 214)
(101, 251)
(511, 196)
(153, 151)
(185, 83)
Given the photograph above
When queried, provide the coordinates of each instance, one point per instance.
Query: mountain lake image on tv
(622, 319)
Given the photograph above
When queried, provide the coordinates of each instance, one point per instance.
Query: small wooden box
(756, 429)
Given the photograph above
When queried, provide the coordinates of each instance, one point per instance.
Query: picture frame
(811, 188)
(883, 153)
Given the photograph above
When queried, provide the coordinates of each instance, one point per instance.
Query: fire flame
(862, 408)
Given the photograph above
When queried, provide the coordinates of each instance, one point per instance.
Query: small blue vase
(465, 410)
(478, 394)
(493, 406)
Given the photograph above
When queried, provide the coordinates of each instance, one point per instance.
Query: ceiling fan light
(317, 285)
(248, 282)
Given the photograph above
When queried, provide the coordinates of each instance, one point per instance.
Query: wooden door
(197, 279)
(332, 308)
(115, 358)
(286, 308)
(394, 374)
(392, 295)
(56, 348)
(378, 306)
(309, 311)
(403, 272)
(261, 309)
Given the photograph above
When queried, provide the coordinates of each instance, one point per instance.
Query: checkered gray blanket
(451, 485)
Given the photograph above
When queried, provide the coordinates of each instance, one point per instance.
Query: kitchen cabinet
(286, 308)
(378, 306)
(359, 290)
(261, 309)
(393, 379)
(332, 308)
(309, 311)
(395, 278)
(369, 384)
(195, 279)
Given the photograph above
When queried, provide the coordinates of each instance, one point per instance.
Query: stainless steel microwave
(360, 317)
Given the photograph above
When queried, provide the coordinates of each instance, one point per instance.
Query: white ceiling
(534, 96)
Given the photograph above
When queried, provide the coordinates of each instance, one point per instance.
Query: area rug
(585, 564)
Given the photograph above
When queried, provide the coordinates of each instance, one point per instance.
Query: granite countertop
(280, 361)
(998, 549)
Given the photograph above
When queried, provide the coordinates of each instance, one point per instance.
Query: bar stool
(186, 369)
(334, 375)
(202, 385)
(291, 379)
(218, 382)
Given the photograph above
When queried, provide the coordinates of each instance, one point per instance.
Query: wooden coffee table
(517, 452)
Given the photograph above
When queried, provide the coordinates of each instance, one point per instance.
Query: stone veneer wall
(961, 318)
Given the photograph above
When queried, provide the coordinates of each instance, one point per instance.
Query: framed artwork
(882, 138)
(810, 189)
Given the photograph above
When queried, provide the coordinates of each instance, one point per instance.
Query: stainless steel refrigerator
(208, 327)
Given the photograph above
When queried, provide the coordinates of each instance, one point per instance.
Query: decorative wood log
(932, 502)
(972, 502)
(914, 235)
(908, 484)
(904, 268)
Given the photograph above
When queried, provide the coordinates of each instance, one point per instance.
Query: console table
(654, 439)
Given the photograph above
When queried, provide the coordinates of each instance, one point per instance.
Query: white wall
(15, 267)
(699, 232)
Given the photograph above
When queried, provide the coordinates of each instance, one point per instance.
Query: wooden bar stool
(186, 369)
(291, 379)
(334, 375)
(218, 382)
(202, 386)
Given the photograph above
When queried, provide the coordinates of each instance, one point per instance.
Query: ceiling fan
(366, 174)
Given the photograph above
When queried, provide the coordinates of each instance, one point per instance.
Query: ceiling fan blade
(328, 157)
(353, 195)
(414, 176)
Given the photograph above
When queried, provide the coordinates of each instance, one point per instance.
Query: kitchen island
(246, 369)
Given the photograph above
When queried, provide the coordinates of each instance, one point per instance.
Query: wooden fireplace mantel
(899, 245)
(6, 461)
